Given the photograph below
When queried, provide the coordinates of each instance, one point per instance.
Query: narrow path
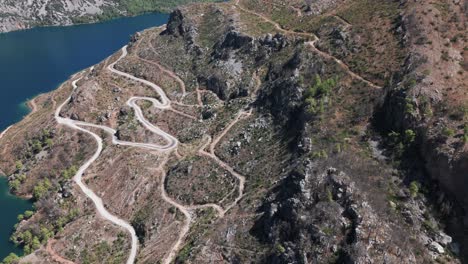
(56, 257)
(168, 72)
(342, 20)
(311, 44)
(5, 131)
(33, 106)
(211, 154)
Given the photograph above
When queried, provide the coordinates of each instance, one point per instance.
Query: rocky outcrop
(322, 218)
(179, 26)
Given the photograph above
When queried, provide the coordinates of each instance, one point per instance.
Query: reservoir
(37, 61)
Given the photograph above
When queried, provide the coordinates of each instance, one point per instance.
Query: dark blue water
(39, 60)
(10, 207)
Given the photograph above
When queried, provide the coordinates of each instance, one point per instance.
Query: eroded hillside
(256, 131)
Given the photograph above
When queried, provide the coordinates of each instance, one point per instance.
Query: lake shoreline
(52, 55)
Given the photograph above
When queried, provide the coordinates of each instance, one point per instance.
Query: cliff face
(301, 138)
(429, 95)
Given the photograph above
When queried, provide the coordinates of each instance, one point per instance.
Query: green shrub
(20, 217)
(41, 189)
(409, 107)
(19, 165)
(448, 132)
(11, 259)
(37, 146)
(319, 94)
(69, 173)
(45, 234)
(14, 184)
(35, 244)
(49, 143)
(410, 136)
(414, 189)
(279, 249)
(28, 214)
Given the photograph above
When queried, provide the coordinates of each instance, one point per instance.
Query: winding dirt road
(88, 192)
(77, 125)
(172, 143)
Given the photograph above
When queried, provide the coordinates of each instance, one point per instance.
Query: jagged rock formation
(302, 138)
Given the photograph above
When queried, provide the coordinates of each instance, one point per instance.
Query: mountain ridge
(334, 151)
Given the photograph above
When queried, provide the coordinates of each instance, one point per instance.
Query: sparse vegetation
(332, 118)
(184, 253)
(409, 107)
(319, 95)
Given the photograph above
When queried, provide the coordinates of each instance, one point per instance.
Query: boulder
(436, 247)
(443, 239)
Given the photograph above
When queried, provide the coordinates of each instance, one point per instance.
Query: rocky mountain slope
(23, 14)
(335, 132)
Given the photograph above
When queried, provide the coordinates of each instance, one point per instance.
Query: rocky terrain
(305, 132)
(23, 14)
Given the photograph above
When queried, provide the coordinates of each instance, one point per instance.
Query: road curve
(78, 125)
(88, 192)
(163, 103)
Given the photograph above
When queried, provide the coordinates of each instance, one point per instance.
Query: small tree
(14, 184)
(28, 214)
(41, 189)
(11, 259)
(49, 142)
(19, 165)
(20, 217)
(36, 243)
(410, 136)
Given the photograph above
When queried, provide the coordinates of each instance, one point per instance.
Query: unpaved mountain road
(171, 146)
